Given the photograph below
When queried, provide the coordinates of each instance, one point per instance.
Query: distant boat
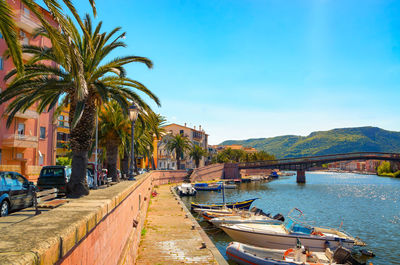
(186, 189)
(207, 187)
(236, 205)
(274, 174)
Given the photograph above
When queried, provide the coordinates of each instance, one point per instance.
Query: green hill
(344, 140)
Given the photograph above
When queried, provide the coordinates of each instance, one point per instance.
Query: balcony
(26, 22)
(28, 114)
(20, 141)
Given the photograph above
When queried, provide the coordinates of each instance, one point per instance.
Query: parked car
(58, 177)
(54, 177)
(16, 192)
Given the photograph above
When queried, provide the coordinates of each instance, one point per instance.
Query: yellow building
(63, 133)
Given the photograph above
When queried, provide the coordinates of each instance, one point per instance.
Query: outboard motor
(343, 256)
(279, 217)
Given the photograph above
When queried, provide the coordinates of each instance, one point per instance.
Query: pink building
(29, 142)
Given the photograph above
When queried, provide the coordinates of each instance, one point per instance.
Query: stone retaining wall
(101, 228)
(211, 172)
(161, 177)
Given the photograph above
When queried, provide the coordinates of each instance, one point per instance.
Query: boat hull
(246, 254)
(244, 205)
(284, 241)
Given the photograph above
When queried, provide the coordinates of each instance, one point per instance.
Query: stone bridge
(301, 164)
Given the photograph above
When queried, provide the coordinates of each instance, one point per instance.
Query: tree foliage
(236, 155)
(197, 153)
(178, 144)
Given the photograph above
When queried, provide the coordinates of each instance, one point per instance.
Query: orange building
(29, 142)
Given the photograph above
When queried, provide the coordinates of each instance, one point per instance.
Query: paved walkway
(168, 237)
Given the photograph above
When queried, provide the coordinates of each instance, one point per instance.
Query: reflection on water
(367, 205)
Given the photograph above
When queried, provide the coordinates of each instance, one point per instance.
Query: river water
(368, 206)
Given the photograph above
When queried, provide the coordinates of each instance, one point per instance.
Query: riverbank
(353, 201)
(168, 237)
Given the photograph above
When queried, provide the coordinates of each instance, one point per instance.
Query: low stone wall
(161, 177)
(255, 171)
(101, 228)
(211, 172)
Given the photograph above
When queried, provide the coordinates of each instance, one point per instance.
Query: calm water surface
(368, 205)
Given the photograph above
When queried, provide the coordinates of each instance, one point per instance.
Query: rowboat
(247, 254)
(283, 236)
(243, 205)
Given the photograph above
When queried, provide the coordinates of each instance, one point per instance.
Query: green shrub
(63, 161)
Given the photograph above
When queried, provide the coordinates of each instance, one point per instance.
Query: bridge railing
(312, 159)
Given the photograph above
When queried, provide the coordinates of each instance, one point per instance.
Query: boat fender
(287, 252)
(317, 233)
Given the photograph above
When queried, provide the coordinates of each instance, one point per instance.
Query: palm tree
(83, 81)
(114, 129)
(9, 30)
(179, 144)
(197, 153)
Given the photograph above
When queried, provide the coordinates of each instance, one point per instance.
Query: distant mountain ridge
(342, 140)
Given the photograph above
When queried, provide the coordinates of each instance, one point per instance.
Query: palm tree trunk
(178, 161)
(81, 141)
(112, 157)
(125, 164)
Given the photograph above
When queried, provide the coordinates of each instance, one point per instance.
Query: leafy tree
(178, 144)
(236, 155)
(63, 161)
(384, 167)
(197, 153)
(79, 77)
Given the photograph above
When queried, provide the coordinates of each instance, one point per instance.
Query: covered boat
(233, 205)
(284, 236)
(247, 254)
(186, 189)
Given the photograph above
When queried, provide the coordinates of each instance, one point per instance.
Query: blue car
(16, 192)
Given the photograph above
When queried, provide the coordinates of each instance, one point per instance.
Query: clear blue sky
(259, 68)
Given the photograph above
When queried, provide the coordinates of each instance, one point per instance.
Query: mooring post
(301, 176)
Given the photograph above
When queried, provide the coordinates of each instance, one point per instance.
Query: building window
(42, 132)
(1, 63)
(41, 159)
(24, 37)
(20, 155)
(26, 11)
(1, 36)
(61, 117)
(21, 129)
(181, 132)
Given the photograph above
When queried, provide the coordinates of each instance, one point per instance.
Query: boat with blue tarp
(243, 205)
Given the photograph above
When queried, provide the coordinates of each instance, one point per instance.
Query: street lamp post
(133, 114)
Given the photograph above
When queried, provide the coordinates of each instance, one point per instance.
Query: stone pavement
(18, 216)
(167, 237)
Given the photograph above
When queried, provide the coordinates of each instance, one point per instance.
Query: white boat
(244, 219)
(284, 236)
(247, 254)
(186, 189)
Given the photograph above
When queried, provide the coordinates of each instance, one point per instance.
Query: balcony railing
(28, 114)
(26, 21)
(20, 141)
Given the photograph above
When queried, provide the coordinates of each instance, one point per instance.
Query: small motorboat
(248, 254)
(242, 205)
(186, 189)
(283, 236)
(244, 219)
(274, 175)
(208, 187)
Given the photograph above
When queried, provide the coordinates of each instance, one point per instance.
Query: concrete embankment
(172, 236)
